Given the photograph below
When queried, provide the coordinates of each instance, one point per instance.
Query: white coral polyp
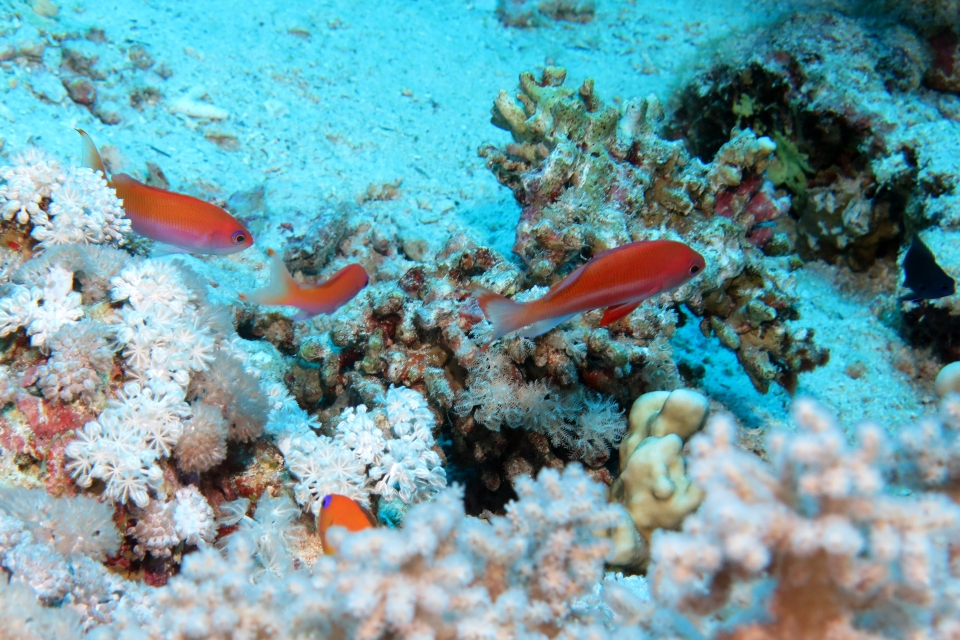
(42, 311)
(28, 181)
(323, 467)
(80, 207)
(193, 517)
(121, 447)
(160, 331)
(410, 469)
(358, 432)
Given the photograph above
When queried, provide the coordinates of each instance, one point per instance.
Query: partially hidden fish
(179, 221)
(341, 511)
(925, 279)
(618, 280)
(325, 297)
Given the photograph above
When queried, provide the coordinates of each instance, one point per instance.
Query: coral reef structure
(590, 177)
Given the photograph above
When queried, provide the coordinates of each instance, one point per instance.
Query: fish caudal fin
(91, 157)
(505, 315)
(280, 287)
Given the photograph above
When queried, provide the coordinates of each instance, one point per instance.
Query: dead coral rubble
(590, 178)
(535, 13)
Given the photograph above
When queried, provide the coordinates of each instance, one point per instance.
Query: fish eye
(239, 237)
(694, 269)
(326, 501)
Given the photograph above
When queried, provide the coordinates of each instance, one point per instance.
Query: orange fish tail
(505, 315)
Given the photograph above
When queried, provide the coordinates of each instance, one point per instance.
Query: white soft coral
(76, 206)
(42, 311)
(121, 447)
(29, 180)
(358, 432)
(193, 517)
(410, 469)
(160, 330)
(82, 210)
(323, 467)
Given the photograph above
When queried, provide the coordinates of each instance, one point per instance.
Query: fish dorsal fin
(614, 313)
(91, 157)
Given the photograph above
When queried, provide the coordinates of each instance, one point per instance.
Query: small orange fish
(325, 297)
(183, 222)
(618, 279)
(341, 511)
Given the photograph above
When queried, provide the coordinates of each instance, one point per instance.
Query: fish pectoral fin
(541, 327)
(161, 249)
(614, 313)
(302, 315)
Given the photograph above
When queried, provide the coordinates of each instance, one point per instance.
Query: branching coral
(836, 552)
(443, 576)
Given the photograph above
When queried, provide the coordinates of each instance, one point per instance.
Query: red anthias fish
(182, 222)
(325, 297)
(341, 511)
(618, 279)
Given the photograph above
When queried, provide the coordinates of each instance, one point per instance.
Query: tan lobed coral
(653, 485)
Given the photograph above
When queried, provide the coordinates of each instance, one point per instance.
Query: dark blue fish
(923, 276)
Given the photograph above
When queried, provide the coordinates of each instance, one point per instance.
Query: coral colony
(462, 445)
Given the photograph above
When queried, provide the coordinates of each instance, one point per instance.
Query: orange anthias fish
(618, 279)
(182, 222)
(341, 511)
(325, 297)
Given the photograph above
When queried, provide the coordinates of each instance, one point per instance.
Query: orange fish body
(341, 511)
(618, 280)
(181, 221)
(325, 297)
